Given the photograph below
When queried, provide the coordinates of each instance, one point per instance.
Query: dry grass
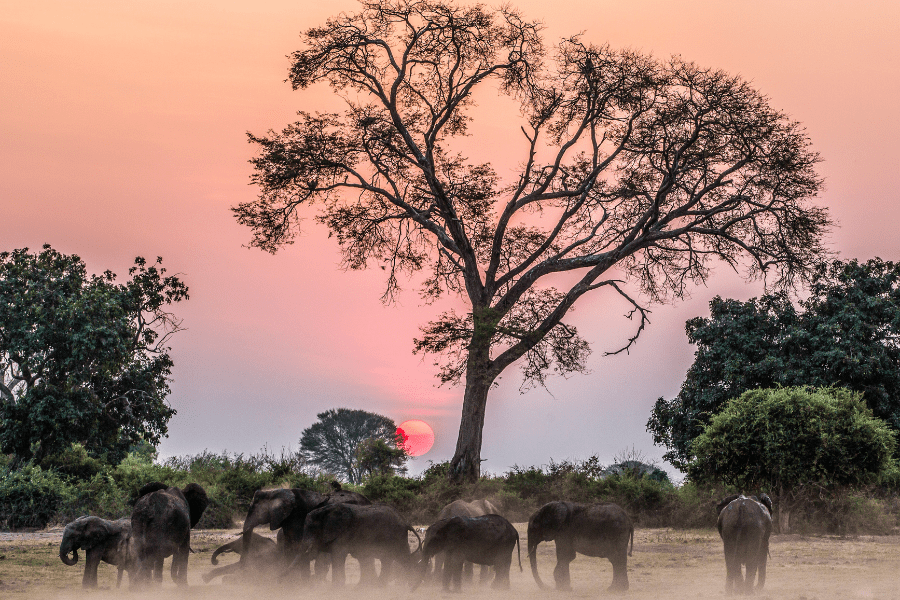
(666, 564)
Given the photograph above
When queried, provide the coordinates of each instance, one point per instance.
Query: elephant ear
(149, 488)
(337, 520)
(549, 519)
(197, 501)
(766, 501)
(95, 533)
(725, 502)
(280, 508)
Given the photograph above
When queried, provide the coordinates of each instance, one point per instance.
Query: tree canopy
(845, 333)
(351, 443)
(633, 170)
(784, 438)
(83, 359)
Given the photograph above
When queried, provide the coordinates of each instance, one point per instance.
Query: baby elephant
(485, 540)
(266, 558)
(101, 540)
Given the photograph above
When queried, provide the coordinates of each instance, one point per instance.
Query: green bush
(99, 495)
(30, 497)
(785, 438)
(400, 492)
(74, 463)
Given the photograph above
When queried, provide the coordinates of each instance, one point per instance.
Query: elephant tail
(519, 551)
(631, 550)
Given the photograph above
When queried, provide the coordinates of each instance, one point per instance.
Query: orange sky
(122, 133)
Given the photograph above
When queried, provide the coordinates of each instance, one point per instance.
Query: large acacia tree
(633, 170)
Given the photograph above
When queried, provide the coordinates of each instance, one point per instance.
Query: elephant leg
(484, 575)
(732, 567)
(338, 568)
(158, 568)
(453, 571)
(501, 571)
(387, 570)
(222, 571)
(91, 562)
(468, 572)
(752, 567)
(565, 554)
(179, 565)
(367, 573)
(323, 562)
(761, 582)
(119, 577)
(439, 559)
(620, 572)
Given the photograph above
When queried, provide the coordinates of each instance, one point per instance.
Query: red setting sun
(417, 436)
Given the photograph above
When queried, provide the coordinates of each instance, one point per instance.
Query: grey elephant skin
(266, 560)
(161, 526)
(364, 532)
(487, 540)
(463, 508)
(286, 510)
(600, 530)
(101, 540)
(745, 524)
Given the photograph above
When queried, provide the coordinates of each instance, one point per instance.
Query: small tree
(83, 359)
(378, 457)
(844, 334)
(781, 440)
(333, 442)
(632, 168)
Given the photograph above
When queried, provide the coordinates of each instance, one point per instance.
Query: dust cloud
(666, 564)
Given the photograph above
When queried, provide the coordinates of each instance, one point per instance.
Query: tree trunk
(466, 463)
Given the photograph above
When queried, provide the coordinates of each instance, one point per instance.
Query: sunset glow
(417, 435)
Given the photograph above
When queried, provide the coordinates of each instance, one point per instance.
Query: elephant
(462, 508)
(487, 540)
(745, 524)
(267, 556)
(161, 526)
(109, 541)
(601, 530)
(286, 509)
(365, 532)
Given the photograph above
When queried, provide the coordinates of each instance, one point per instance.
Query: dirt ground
(666, 564)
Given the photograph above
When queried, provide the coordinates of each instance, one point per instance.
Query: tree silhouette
(633, 170)
(343, 442)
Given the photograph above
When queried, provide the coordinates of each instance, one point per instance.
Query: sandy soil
(666, 564)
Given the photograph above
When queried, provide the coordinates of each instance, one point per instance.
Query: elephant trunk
(64, 551)
(421, 569)
(533, 541)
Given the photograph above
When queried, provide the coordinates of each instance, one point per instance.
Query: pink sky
(122, 133)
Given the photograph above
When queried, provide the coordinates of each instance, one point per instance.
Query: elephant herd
(325, 529)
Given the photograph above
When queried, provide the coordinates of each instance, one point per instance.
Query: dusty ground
(666, 564)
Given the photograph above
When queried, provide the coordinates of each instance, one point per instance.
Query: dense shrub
(30, 497)
(98, 495)
(783, 438)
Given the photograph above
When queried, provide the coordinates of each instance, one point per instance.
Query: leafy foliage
(83, 358)
(644, 168)
(29, 497)
(375, 456)
(785, 438)
(845, 334)
(344, 443)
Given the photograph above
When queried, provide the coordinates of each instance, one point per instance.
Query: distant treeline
(35, 497)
